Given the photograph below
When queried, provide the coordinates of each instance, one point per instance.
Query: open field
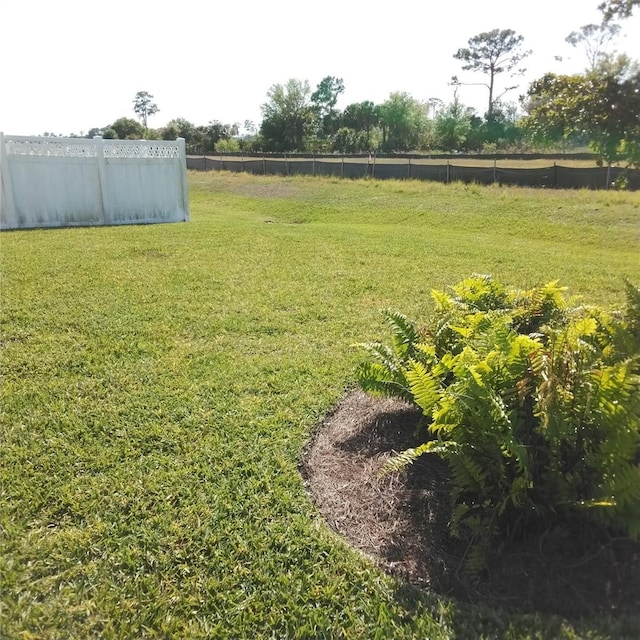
(160, 383)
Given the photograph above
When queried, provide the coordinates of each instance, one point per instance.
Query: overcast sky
(71, 65)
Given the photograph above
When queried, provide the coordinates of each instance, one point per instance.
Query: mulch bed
(400, 521)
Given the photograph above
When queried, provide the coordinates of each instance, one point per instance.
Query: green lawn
(159, 384)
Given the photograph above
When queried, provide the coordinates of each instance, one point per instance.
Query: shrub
(534, 403)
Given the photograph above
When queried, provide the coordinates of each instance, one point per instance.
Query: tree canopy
(403, 120)
(598, 107)
(602, 104)
(124, 129)
(453, 125)
(618, 9)
(287, 116)
(144, 107)
(594, 39)
(493, 53)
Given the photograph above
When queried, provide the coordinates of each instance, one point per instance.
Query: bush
(535, 405)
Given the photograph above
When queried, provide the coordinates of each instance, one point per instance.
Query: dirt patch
(401, 523)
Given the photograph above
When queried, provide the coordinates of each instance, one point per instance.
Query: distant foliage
(144, 106)
(534, 403)
(602, 103)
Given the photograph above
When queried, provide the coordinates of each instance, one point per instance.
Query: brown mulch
(401, 521)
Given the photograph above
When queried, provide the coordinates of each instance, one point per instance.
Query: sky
(72, 65)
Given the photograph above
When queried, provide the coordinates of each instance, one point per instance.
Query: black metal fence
(552, 177)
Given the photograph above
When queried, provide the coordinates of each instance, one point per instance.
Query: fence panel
(52, 192)
(544, 177)
(482, 175)
(324, 168)
(632, 177)
(395, 171)
(301, 167)
(437, 172)
(233, 165)
(355, 169)
(54, 182)
(275, 167)
(587, 178)
(549, 177)
(254, 166)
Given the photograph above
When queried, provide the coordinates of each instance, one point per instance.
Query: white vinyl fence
(57, 182)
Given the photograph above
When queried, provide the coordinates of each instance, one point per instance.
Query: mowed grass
(160, 383)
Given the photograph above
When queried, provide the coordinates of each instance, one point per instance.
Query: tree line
(599, 107)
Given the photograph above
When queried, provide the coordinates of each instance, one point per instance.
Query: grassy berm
(159, 384)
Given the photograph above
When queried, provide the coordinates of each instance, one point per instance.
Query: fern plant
(534, 403)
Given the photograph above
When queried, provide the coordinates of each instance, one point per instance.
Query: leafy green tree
(603, 104)
(216, 132)
(363, 118)
(594, 39)
(493, 53)
(324, 100)
(453, 126)
(504, 130)
(346, 140)
(403, 120)
(250, 127)
(228, 145)
(180, 128)
(125, 129)
(288, 116)
(144, 107)
(435, 104)
(618, 9)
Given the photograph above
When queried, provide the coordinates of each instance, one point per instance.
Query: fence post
(448, 178)
(409, 169)
(555, 175)
(102, 180)
(342, 168)
(182, 167)
(6, 197)
(264, 165)
(313, 164)
(608, 175)
(495, 172)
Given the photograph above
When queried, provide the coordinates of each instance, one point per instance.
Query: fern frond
(400, 461)
(632, 311)
(626, 485)
(554, 293)
(405, 334)
(376, 379)
(443, 301)
(381, 354)
(424, 386)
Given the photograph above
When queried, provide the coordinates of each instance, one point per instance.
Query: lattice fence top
(88, 148)
(120, 149)
(55, 147)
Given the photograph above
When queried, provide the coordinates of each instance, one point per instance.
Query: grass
(160, 382)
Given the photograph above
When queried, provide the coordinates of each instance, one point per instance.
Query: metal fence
(552, 177)
(54, 182)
